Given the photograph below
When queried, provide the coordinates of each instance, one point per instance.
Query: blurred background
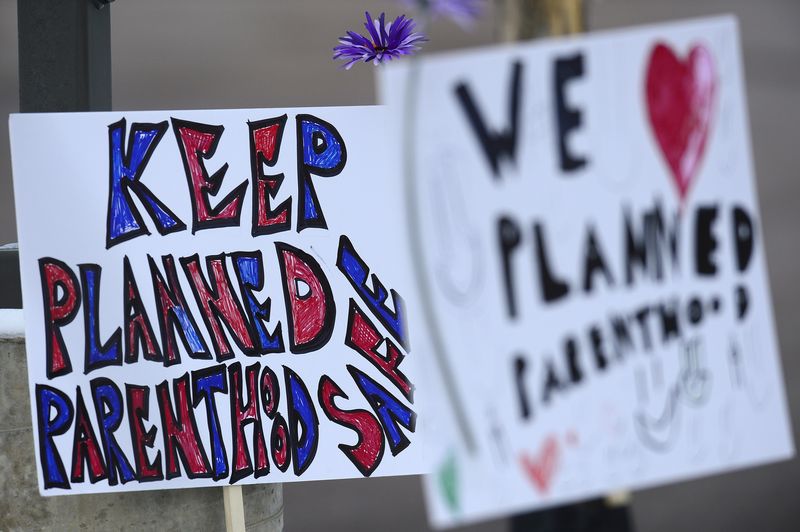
(192, 54)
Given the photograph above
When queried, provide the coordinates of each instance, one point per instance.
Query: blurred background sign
(591, 248)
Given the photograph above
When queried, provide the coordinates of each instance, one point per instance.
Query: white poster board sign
(595, 266)
(214, 297)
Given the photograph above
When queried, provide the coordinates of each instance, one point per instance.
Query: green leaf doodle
(448, 481)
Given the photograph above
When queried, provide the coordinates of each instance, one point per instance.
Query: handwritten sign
(214, 297)
(594, 263)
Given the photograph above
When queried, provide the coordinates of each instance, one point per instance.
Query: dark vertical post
(64, 55)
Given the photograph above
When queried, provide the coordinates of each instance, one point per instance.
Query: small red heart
(542, 468)
(680, 97)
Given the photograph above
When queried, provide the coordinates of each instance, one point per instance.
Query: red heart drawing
(542, 468)
(680, 97)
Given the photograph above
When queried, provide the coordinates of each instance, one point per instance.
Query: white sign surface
(594, 263)
(214, 297)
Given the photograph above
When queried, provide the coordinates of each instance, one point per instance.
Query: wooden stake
(528, 19)
(234, 508)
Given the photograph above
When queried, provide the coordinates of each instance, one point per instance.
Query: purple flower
(384, 42)
(462, 12)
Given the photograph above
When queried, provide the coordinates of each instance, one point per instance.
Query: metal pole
(64, 55)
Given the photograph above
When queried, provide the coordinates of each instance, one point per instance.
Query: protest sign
(595, 266)
(214, 297)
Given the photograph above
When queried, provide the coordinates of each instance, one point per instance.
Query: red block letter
(265, 145)
(367, 453)
(197, 142)
(62, 298)
(85, 448)
(180, 432)
(138, 412)
(365, 338)
(218, 304)
(242, 414)
(310, 309)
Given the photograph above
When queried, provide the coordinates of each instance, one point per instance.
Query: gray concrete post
(22, 508)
